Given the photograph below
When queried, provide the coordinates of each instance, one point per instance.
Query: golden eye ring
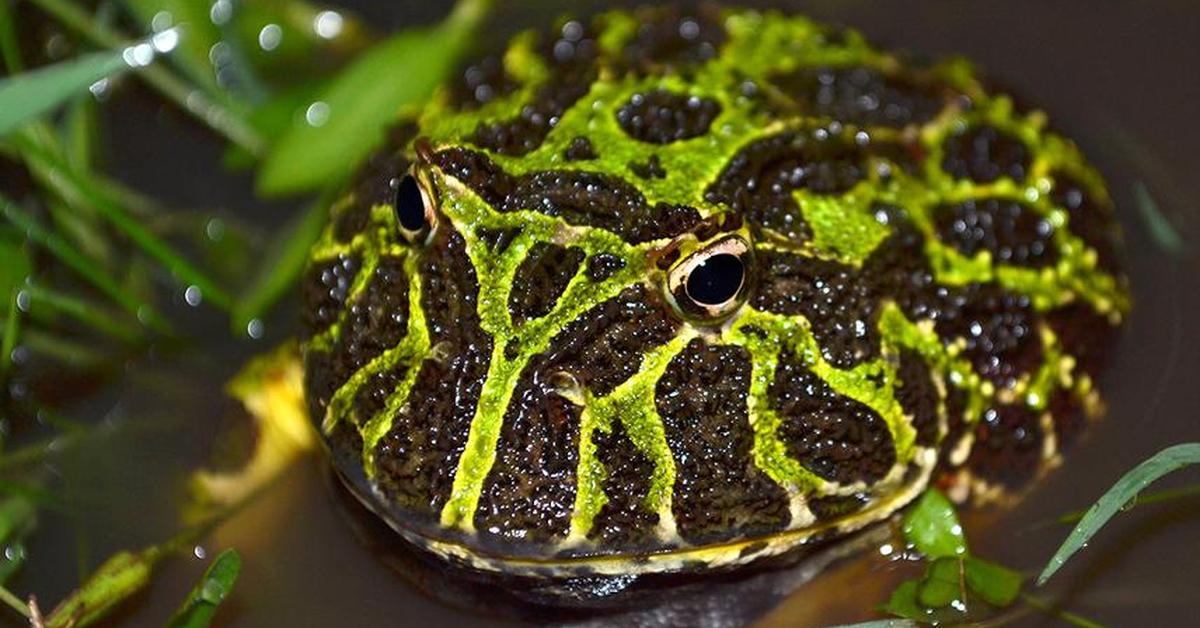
(711, 284)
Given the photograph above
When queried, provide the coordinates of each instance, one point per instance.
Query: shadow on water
(1118, 77)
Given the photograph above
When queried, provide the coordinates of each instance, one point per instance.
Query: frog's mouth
(469, 550)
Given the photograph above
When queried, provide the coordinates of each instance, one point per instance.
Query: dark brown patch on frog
(529, 493)
(477, 172)
(759, 180)
(669, 39)
(602, 266)
(861, 96)
(1008, 446)
(418, 455)
(623, 522)
(898, 268)
(918, 396)
(718, 493)
(579, 198)
(346, 445)
(650, 169)
(1011, 231)
(1083, 333)
(1069, 418)
(376, 321)
(497, 240)
(580, 149)
(541, 279)
(834, 436)
(835, 300)
(571, 58)
(1000, 329)
(320, 383)
(480, 83)
(373, 183)
(984, 154)
(324, 292)
(604, 346)
(837, 506)
(351, 221)
(371, 398)
(998, 326)
(1088, 219)
(661, 116)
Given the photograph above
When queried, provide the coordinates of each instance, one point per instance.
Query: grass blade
(82, 311)
(31, 94)
(215, 115)
(10, 48)
(58, 175)
(1165, 235)
(119, 578)
(201, 604)
(1127, 488)
(12, 329)
(282, 265)
(364, 99)
(84, 267)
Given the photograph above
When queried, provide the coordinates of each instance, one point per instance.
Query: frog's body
(681, 291)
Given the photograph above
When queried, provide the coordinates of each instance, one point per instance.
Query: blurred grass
(92, 271)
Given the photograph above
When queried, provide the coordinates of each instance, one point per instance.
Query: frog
(674, 291)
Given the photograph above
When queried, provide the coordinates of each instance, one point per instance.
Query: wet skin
(671, 292)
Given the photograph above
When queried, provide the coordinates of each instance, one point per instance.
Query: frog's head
(630, 299)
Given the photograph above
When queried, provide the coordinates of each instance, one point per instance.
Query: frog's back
(675, 290)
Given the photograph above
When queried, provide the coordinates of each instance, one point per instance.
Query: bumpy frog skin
(675, 291)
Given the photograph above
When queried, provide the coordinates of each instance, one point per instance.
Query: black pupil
(410, 205)
(716, 280)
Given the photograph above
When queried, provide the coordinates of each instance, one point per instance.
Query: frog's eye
(414, 208)
(712, 283)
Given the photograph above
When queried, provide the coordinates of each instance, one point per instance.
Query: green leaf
(28, 95)
(363, 100)
(201, 604)
(120, 577)
(1126, 489)
(903, 603)
(996, 584)
(942, 584)
(933, 528)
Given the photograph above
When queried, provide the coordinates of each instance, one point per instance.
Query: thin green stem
(1054, 611)
(84, 267)
(15, 602)
(282, 264)
(12, 329)
(82, 311)
(10, 48)
(194, 101)
(58, 176)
